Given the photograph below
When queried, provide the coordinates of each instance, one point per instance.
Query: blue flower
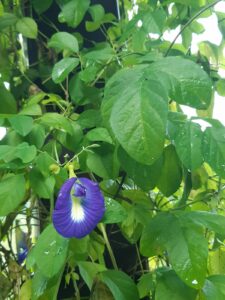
(79, 208)
(22, 254)
(21, 245)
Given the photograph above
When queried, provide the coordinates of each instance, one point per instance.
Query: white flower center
(77, 211)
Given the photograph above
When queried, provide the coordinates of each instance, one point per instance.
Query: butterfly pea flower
(22, 254)
(21, 245)
(79, 208)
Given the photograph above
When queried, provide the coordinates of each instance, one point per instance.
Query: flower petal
(77, 218)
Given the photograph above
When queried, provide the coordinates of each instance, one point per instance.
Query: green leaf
(220, 87)
(63, 41)
(71, 141)
(62, 68)
(43, 162)
(25, 290)
(99, 134)
(140, 108)
(115, 213)
(6, 20)
(89, 118)
(171, 173)
(153, 22)
(169, 286)
(73, 12)
(50, 252)
(44, 288)
(42, 186)
(191, 87)
(188, 144)
(101, 53)
(100, 291)
(97, 12)
(210, 50)
(41, 6)
(221, 25)
(145, 285)
(184, 241)
(28, 27)
(194, 3)
(211, 221)
(88, 271)
(23, 151)
(79, 248)
(103, 161)
(82, 93)
(214, 287)
(12, 192)
(5, 286)
(56, 121)
(31, 110)
(144, 176)
(8, 102)
(120, 284)
(214, 149)
(21, 124)
(216, 264)
(36, 136)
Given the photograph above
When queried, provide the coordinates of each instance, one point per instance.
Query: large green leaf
(50, 252)
(63, 41)
(43, 287)
(99, 134)
(42, 186)
(214, 149)
(62, 68)
(8, 102)
(12, 191)
(169, 286)
(103, 161)
(144, 176)
(89, 270)
(171, 172)
(43, 162)
(214, 287)
(23, 151)
(115, 212)
(6, 20)
(120, 284)
(188, 144)
(28, 27)
(182, 235)
(185, 244)
(97, 12)
(21, 124)
(56, 121)
(73, 12)
(137, 108)
(185, 81)
(41, 6)
(36, 136)
(211, 221)
(153, 21)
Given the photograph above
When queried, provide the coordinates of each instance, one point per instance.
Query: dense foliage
(111, 110)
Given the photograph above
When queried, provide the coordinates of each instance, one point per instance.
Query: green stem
(187, 188)
(77, 292)
(190, 21)
(102, 227)
(139, 258)
(56, 153)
